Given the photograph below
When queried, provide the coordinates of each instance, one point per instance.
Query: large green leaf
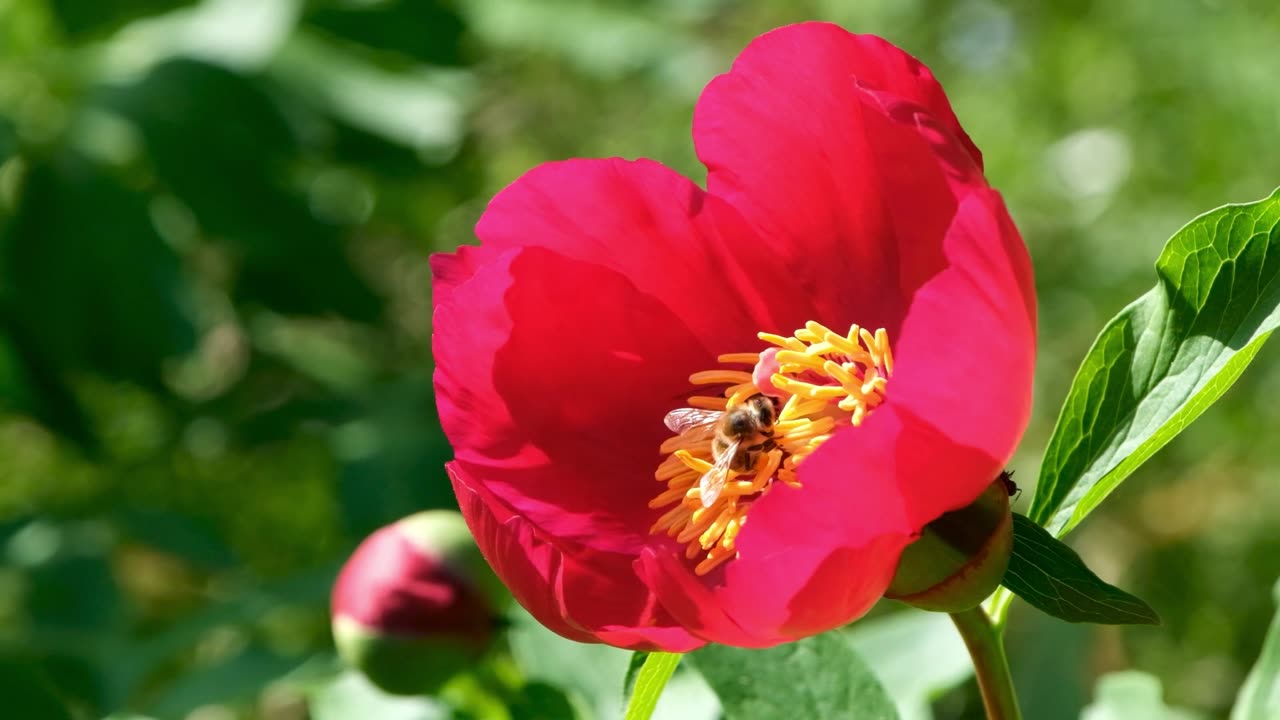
(1259, 698)
(92, 286)
(1164, 359)
(818, 677)
(221, 143)
(918, 656)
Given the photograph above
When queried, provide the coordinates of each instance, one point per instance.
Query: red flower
(841, 190)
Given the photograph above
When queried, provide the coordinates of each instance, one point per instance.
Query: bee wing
(682, 419)
(712, 481)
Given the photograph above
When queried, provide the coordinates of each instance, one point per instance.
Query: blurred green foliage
(215, 314)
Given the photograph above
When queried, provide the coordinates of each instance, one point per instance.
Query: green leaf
(218, 141)
(1131, 696)
(1259, 697)
(82, 238)
(918, 655)
(589, 674)
(28, 693)
(1164, 359)
(1052, 578)
(83, 20)
(649, 682)
(818, 677)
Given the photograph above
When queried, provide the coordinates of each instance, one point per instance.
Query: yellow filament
(824, 381)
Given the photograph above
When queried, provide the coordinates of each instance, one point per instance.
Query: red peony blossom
(846, 225)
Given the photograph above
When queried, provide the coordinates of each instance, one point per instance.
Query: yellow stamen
(739, 359)
(825, 381)
(708, 403)
(711, 377)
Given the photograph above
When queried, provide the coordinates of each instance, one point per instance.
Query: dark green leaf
(540, 701)
(1259, 698)
(655, 671)
(80, 240)
(81, 18)
(223, 146)
(818, 677)
(28, 693)
(1164, 359)
(1052, 578)
(429, 31)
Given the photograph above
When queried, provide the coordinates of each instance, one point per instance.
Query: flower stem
(989, 663)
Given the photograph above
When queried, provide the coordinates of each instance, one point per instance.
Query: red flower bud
(415, 603)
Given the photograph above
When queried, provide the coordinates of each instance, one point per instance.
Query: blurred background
(215, 319)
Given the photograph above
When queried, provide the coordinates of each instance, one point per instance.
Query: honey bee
(739, 436)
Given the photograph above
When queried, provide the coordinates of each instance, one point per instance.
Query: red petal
(583, 595)
(966, 354)
(818, 557)
(690, 251)
(552, 379)
(449, 270)
(798, 138)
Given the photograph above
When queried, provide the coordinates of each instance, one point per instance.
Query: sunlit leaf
(818, 677)
(1259, 698)
(1132, 696)
(1164, 359)
(419, 108)
(650, 680)
(1052, 578)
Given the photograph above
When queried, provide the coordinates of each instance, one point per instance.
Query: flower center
(729, 449)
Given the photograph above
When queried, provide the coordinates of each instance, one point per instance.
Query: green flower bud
(960, 558)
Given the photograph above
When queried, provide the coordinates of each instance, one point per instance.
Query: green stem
(989, 663)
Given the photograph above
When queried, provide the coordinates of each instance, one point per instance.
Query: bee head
(763, 409)
(741, 423)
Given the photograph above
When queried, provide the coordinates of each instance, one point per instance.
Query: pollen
(824, 381)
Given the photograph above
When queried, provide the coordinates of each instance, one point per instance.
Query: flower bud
(960, 558)
(415, 603)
